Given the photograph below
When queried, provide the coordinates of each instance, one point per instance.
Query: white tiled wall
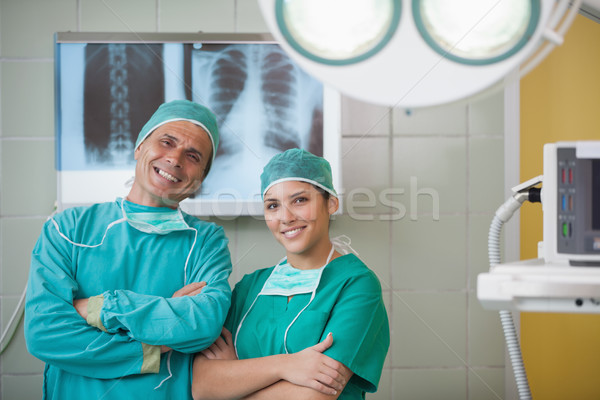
(436, 175)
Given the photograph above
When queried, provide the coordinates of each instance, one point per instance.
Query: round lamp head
(337, 31)
(476, 31)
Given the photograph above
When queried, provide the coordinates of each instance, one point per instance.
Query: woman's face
(298, 216)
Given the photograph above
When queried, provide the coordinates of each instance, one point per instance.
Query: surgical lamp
(417, 53)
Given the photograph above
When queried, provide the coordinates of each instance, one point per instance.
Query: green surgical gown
(348, 303)
(136, 273)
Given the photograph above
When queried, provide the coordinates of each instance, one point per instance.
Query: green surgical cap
(182, 110)
(297, 165)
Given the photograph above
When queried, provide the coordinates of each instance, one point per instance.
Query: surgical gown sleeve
(56, 333)
(187, 324)
(241, 293)
(360, 329)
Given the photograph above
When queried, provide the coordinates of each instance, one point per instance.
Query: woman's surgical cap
(182, 110)
(297, 165)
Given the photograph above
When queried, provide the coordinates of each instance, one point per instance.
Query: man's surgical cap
(182, 110)
(297, 165)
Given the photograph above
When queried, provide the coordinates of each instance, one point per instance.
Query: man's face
(170, 164)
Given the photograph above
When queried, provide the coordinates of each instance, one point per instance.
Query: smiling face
(170, 164)
(297, 215)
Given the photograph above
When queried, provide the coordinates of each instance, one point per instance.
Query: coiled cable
(503, 214)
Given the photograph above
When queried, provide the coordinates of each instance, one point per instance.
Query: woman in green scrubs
(314, 325)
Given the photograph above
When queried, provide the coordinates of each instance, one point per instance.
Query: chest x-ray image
(264, 103)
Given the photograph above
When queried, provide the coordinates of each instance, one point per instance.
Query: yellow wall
(560, 100)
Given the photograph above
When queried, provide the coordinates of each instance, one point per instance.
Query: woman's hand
(311, 368)
(222, 348)
(218, 374)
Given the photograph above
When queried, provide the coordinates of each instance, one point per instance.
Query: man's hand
(311, 368)
(222, 348)
(191, 289)
(81, 307)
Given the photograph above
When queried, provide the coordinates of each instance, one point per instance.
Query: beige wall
(444, 345)
(560, 101)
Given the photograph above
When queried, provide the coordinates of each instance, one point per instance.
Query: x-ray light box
(109, 84)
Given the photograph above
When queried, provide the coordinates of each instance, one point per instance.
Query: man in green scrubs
(104, 309)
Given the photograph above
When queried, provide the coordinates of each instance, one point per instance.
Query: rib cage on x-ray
(278, 91)
(264, 104)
